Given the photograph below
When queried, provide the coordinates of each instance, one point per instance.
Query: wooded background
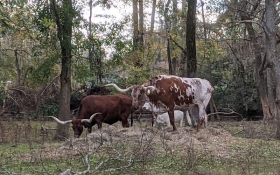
(51, 49)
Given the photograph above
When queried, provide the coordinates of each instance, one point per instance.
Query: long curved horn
(59, 121)
(148, 89)
(90, 119)
(119, 89)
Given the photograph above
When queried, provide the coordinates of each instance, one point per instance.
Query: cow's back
(104, 104)
(180, 91)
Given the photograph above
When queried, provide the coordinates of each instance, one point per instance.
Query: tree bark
(167, 29)
(261, 83)
(90, 52)
(189, 60)
(135, 23)
(141, 25)
(64, 34)
(17, 63)
(270, 43)
(153, 15)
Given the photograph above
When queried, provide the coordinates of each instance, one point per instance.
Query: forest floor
(229, 147)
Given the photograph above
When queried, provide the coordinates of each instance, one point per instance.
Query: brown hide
(114, 108)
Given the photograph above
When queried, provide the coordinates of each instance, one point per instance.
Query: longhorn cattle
(169, 92)
(107, 109)
(163, 118)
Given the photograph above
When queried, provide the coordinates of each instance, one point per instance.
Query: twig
(130, 162)
(49, 85)
(66, 172)
(86, 158)
(15, 89)
(226, 113)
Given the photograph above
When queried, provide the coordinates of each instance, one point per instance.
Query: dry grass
(223, 147)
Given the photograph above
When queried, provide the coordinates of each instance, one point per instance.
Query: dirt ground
(214, 139)
(217, 139)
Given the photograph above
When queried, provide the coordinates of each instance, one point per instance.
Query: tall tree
(90, 51)
(271, 52)
(153, 15)
(141, 24)
(246, 15)
(167, 21)
(173, 61)
(190, 39)
(64, 15)
(135, 23)
(189, 60)
(138, 31)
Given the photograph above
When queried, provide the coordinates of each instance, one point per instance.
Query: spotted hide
(98, 109)
(169, 93)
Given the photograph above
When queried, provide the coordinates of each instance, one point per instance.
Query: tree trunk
(141, 25)
(64, 33)
(261, 83)
(173, 67)
(270, 38)
(90, 52)
(153, 15)
(270, 92)
(167, 28)
(190, 39)
(135, 24)
(17, 63)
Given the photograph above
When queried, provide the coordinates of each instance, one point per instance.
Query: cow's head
(77, 124)
(139, 93)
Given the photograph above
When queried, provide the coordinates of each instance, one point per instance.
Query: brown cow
(168, 92)
(113, 108)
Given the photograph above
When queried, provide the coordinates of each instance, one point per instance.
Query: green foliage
(49, 109)
(44, 72)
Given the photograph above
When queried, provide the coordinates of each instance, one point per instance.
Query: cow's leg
(89, 129)
(181, 122)
(188, 121)
(167, 122)
(194, 115)
(131, 116)
(125, 123)
(153, 120)
(171, 118)
(202, 118)
(99, 124)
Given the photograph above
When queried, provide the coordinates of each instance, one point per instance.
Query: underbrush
(26, 148)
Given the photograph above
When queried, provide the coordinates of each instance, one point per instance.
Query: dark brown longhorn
(77, 124)
(113, 108)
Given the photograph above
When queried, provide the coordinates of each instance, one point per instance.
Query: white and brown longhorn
(169, 92)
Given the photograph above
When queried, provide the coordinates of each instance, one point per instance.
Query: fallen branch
(226, 113)
(86, 158)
